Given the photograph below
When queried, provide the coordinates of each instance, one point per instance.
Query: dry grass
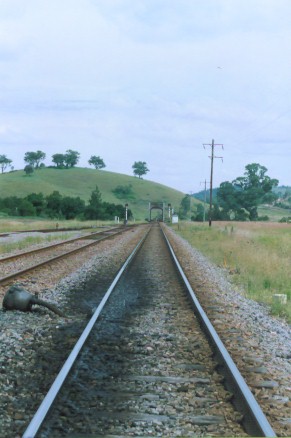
(257, 255)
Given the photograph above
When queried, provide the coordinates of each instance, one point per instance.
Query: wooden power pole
(211, 175)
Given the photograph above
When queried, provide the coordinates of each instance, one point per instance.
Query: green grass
(257, 255)
(82, 181)
(274, 213)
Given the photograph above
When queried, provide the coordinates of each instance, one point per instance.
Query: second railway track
(147, 369)
(14, 266)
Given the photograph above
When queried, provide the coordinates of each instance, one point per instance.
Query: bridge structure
(162, 206)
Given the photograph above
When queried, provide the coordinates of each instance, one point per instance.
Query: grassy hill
(274, 213)
(81, 181)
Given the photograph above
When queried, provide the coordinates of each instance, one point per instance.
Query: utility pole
(211, 175)
(204, 203)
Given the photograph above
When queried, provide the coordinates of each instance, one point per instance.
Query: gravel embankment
(265, 365)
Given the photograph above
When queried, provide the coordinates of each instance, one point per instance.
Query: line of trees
(34, 160)
(57, 206)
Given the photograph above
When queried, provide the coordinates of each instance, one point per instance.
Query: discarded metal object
(17, 298)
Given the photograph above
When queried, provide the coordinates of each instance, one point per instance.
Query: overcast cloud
(149, 80)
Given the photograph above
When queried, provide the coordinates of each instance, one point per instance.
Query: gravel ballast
(24, 336)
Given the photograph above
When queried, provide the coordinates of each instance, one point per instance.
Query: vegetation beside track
(256, 255)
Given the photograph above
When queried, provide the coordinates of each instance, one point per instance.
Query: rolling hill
(82, 181)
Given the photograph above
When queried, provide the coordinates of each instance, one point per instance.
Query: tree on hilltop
(4, 162)
(140, 168)
(97, 162)
(34, 158)
(59, 160)
(71, 158)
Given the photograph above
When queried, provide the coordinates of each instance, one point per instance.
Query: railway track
(146, 368)
(45, 230)
(33, 259)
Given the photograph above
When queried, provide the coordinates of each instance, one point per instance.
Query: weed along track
(146, 367)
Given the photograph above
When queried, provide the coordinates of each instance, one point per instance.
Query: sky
(149, 80)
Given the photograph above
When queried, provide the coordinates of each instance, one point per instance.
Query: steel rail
(16, 274)
(254, 421)
(54, 245)
(48, 400)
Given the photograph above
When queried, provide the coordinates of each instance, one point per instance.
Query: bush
(285, 220)
(29, 169)
(263, 218)
(124, 192)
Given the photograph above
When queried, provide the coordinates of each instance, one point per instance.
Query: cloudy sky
(149, 80)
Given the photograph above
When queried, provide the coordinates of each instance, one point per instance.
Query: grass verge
(256, 255)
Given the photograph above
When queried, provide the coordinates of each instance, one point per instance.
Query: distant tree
(199, 215)
(72, 207)
(242, 214)
(185, 206)
(252, 187)
(10, 205)
(4, 162)
(71, 158)
(53, 204)
(112, 210)
(95, 208)
(227, 198)
(242, 197)
(34, 158)
(25, 208)
(269, 198)
(38, 201)
(59, 160)
(97, 162)
(29, 169)
(14, 206)
(140, 168)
